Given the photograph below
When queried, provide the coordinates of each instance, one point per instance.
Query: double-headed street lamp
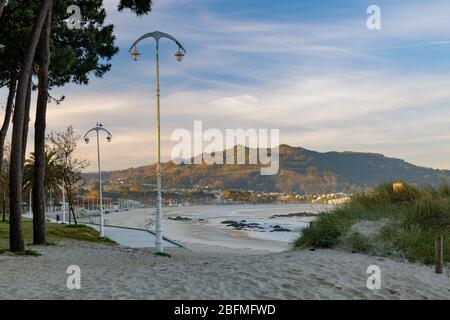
(97, 129)
(157, 35)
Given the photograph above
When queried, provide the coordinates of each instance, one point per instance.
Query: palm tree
(53, 172)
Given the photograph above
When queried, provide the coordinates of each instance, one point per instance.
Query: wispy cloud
(324, 79)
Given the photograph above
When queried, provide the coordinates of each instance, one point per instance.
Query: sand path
(114, 272)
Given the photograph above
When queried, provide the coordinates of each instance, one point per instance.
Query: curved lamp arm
(157, 35)
(87, 133)
(106, 130)
(97, 129)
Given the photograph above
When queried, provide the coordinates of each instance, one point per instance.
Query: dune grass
(55, 232)
(163, 254)
(409, 217)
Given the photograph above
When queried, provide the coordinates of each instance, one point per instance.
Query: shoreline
(203, 225)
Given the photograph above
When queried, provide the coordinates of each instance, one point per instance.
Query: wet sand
(205, 227)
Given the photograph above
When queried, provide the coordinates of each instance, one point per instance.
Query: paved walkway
(134, 238)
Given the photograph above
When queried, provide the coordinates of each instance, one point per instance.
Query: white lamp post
(97, 129)
(63, 203)
(157, 35)
(30, 204)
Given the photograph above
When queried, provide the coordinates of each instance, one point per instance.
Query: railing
(93, 220)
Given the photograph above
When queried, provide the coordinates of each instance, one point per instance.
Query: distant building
(339, 201)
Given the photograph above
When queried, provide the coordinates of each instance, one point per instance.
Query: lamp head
(135, 54)
(2, 48)
(179, 55)
(86, 139)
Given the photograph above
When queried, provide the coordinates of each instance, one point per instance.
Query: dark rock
(178, 218)
(298, 214)
(228, 221)
(242, 225)
(280, 229)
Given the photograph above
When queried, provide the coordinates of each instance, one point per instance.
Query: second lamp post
(157, 35)
(97, 129)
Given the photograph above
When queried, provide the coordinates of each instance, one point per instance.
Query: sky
(311, 69)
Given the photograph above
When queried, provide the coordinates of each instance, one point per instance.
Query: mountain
(301, 170)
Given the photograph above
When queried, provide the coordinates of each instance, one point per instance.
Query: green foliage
(302, 171)
(139, 7)
(410, 218)
(53, 172)
(324, 234)
(78, 53)
(75, 54)
(355, 242)
(56, 232)
(27, 252)
(163, 254)
(76, 232)
(236, 195)
(431, 211)
(405, 193)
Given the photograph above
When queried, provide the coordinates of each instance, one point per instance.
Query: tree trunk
(73, 214)
(8, 114)
(4, 131)
(26, 123)
(69, 198)
(4, 206)
(70, 217)
(16, 242)
(39, 137)
(2, 5)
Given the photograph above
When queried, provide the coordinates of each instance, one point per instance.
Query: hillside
(301, 170)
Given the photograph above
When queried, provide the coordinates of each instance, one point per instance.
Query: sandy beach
(216, 263)
(114, 272)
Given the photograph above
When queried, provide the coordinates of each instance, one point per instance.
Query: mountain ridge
(301, 170)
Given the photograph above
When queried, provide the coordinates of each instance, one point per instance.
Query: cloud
(325, 80)
(343, 112)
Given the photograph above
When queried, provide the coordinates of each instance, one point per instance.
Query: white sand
(114, 272)
(222, 264)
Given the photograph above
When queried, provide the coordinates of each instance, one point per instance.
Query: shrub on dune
(395, 219)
